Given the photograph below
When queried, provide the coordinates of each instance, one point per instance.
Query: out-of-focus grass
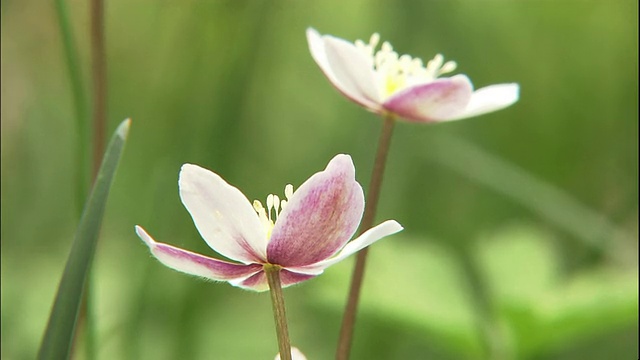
(230, 85)
(61, 328)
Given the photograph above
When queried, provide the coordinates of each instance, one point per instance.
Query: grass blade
(56, 343)
(551, 203)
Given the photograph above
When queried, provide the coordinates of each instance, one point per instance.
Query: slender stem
(279, 314)
(349, 317)
(79, 103)
(99, 72)
(83, 170)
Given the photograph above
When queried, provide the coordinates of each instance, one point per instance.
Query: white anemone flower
(386, 83)
(302, 235)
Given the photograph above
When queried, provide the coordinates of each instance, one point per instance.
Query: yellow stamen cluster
(395, 73)
(273, 203)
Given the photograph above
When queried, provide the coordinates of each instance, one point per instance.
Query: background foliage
(521, 226)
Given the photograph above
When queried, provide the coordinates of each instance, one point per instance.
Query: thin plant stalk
(80, 105)
(99, 74)
(81, 115)
(351, 308)
(279, 313)
(99, 121)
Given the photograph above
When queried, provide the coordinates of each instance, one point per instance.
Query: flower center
(275, 205)
(395, 73)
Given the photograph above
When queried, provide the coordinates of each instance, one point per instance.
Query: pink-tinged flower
(385, 83)
(295, 355)
(303, 235)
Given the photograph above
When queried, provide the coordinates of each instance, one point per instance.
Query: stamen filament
(395, 73)
(273, 203)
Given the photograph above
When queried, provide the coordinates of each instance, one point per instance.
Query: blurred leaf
(520, 185)
(593, 303)
(519, 262)
(412, 283)
(58, 336)
(417, 284)
(544, 309)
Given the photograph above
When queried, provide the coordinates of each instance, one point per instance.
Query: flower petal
(434, 101)
(258, 281)
(196, 264)
(349, 70)
(320, 217)
(370, 236)
(490, 98)
(223, 215)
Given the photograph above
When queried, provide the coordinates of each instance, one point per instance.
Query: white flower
(308, 232)
(385, 83)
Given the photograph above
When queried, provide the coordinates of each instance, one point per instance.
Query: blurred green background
(521, 227)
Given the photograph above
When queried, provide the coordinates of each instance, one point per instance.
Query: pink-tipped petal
(348, 70)
(195, 264)
(435, 101)
(490, 98)
(258, 281)
(320, 217)
(370, 236)
(223, 215)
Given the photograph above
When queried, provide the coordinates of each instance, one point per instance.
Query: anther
(386, 47)
(276, 205)
(374, 40)
(269, 204)
(448, 67)
(288, 191)
(257, 205)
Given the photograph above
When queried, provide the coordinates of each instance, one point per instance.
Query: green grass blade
(56, 343)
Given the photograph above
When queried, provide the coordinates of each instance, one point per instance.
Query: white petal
(370, 236)
(320, 218)
(432, 101)
(196, 264)
(490, 98)
(350, 71)
(223, 215)
(259, 282)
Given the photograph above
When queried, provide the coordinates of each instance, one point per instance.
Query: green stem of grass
(80, 105)
(83, 167)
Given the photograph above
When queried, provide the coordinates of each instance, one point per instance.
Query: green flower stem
(279, 314)
(349, 317)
